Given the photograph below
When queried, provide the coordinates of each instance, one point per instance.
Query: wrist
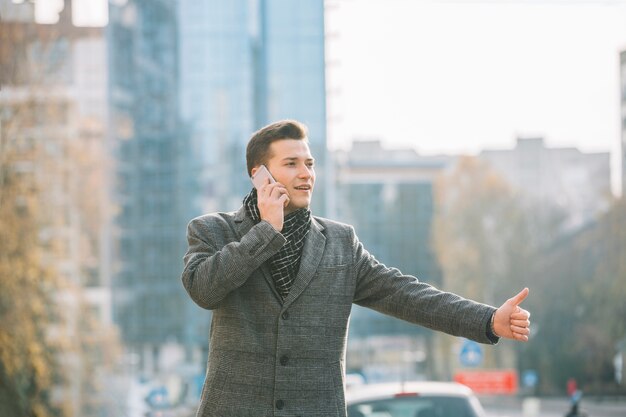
(276, 224)
(492, 323)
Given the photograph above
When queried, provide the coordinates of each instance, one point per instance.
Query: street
(551, 407)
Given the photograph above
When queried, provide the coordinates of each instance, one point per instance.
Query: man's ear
(254, 170)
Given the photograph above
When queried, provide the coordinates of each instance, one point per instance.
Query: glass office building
(244, 64)
(149, 149)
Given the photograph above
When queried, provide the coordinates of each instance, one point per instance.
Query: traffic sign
(530, 377)
(471, 354)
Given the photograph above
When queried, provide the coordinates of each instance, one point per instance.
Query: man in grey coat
(281, 284)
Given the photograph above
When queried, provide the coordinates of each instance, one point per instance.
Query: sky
(461, 76)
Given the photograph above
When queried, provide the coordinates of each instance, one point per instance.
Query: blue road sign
(530, 377)
(471, 354)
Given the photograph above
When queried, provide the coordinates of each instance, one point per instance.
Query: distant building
(387, 195)
(243, 65)
(150, 149)
(566, 179)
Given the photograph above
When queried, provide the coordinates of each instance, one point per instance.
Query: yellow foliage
(476, 223)
(27, 361)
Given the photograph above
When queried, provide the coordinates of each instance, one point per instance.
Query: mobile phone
(259, 177)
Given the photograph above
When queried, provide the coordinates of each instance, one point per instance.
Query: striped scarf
(284, 265)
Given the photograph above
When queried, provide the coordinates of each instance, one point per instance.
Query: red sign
(489, 382)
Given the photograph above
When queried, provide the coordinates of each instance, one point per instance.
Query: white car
(413, 399)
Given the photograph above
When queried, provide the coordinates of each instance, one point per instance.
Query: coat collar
(240, 217)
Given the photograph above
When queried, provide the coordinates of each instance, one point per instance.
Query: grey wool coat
(270, 357)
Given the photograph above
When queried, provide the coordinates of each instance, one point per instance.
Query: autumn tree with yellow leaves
(491, 240)
(53, 346)
(485, 239)
(28, 313)
(479, 234)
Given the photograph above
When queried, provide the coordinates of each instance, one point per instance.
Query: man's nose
(305, 172)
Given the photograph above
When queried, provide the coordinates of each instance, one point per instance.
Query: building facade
(576, 184)
(148, 148)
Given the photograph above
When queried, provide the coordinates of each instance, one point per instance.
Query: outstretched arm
(511, 321)
(391, 292)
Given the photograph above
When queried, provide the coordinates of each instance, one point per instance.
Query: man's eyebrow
(295, 158)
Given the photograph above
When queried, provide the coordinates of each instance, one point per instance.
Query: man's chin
(301, 204)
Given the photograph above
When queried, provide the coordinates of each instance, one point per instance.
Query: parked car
(413, 399)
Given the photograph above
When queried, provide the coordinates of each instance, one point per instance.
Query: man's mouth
(303, 188)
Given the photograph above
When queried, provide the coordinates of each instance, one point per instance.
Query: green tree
(580, 307)
(608, 286)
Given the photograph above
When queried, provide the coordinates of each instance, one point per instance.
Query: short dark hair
(258, 149)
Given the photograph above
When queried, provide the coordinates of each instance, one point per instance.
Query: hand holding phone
(272, 197)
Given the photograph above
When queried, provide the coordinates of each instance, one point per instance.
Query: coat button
(280, 404)
(284, 360)
(285, 315)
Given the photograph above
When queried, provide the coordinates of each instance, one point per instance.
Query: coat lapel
(311, 257)
(243, 224)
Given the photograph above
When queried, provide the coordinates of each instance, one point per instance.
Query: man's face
(291, 164)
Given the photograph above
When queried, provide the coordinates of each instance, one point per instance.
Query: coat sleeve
(389, 291)
(211, 272)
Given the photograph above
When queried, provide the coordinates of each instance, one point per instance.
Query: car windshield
(417, 406)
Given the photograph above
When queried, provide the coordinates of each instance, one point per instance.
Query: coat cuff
(489, 332)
